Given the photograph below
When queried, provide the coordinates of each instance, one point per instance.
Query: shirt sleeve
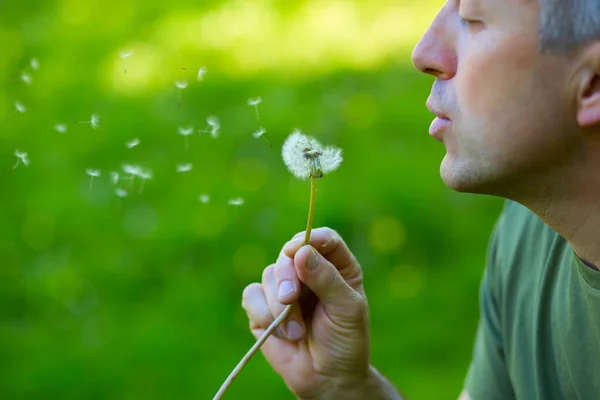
(488, 376)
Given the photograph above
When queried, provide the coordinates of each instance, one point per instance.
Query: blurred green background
(140, 297)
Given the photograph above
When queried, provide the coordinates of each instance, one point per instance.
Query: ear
(588, 96)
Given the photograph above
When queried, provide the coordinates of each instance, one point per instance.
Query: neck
(569, 203)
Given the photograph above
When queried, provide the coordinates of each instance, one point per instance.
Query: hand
(322, 349)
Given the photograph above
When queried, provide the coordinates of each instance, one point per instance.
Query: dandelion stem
(185, 139)
(266, 140)
(91, 182)
(256, 109)
(286, 312)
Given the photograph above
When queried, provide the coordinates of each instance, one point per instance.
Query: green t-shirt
(539, 332)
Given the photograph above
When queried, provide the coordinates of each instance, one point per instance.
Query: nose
(435, 54)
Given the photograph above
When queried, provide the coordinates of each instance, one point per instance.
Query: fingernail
(294, 330)
(286, 288)
(312, 261)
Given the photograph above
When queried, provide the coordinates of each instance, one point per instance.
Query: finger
(293, 326)
(286, 280)
(277, 348)
(255, 304)
(331, 246)
(343, 304)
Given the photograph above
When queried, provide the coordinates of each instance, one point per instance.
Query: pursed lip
(435, 110)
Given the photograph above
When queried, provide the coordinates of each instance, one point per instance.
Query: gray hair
(566, 25)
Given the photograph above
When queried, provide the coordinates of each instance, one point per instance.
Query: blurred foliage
(139, 297)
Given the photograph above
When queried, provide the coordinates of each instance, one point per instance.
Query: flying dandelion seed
(20, 107)
(260, 134)
(132, 143)
(304, 156)
(120, 192)
(254, 103)
(114, 177)
(124, 55)
(181, 85)
(145, 176)
(94, 121)
(237, 202)
(34, 63)
(21, 159)
(204, 198)
(185, 132)
(201, 72)
(92, 173)
(213, 127)
(60, 128)
(25, 77)
(184, 167)
(132, 171)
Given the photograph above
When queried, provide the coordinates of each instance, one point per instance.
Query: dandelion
(94, 121)
(124, 55)
(60, 128)
(305, 157)
(184, 167)
(114, 177)
(145, 176)
(254, 103)
(260, 133)
(201, 72)
(34, 63)
(93, 173)
(204, 198)
(25, 77)
(120, 192)
(21, 159)
(185, 132)
(132, 143)
(181, 85)
(213, 127)
(20, 107)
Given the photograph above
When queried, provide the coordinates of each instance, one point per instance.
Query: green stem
(286, 312)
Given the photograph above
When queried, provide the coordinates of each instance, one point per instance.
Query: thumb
(342, 303)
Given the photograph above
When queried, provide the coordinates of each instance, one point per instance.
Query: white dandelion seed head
(201, 72)
(184, 167)
(259, 133)
(304, 156)
(60, 128)
(25, 77)
(114, 177)
(93, 172)
(20, 107)
(204, 198)
(181, 84)
(125, 54)
(185, 131)
(34, 63)
(134, 170)
(236, 202)
(254, 102)
(132, 143)
(95, 121)
(120, 192)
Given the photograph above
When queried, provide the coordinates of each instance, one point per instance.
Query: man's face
(510, 110)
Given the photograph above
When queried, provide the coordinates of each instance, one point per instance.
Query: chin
(464, 178)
